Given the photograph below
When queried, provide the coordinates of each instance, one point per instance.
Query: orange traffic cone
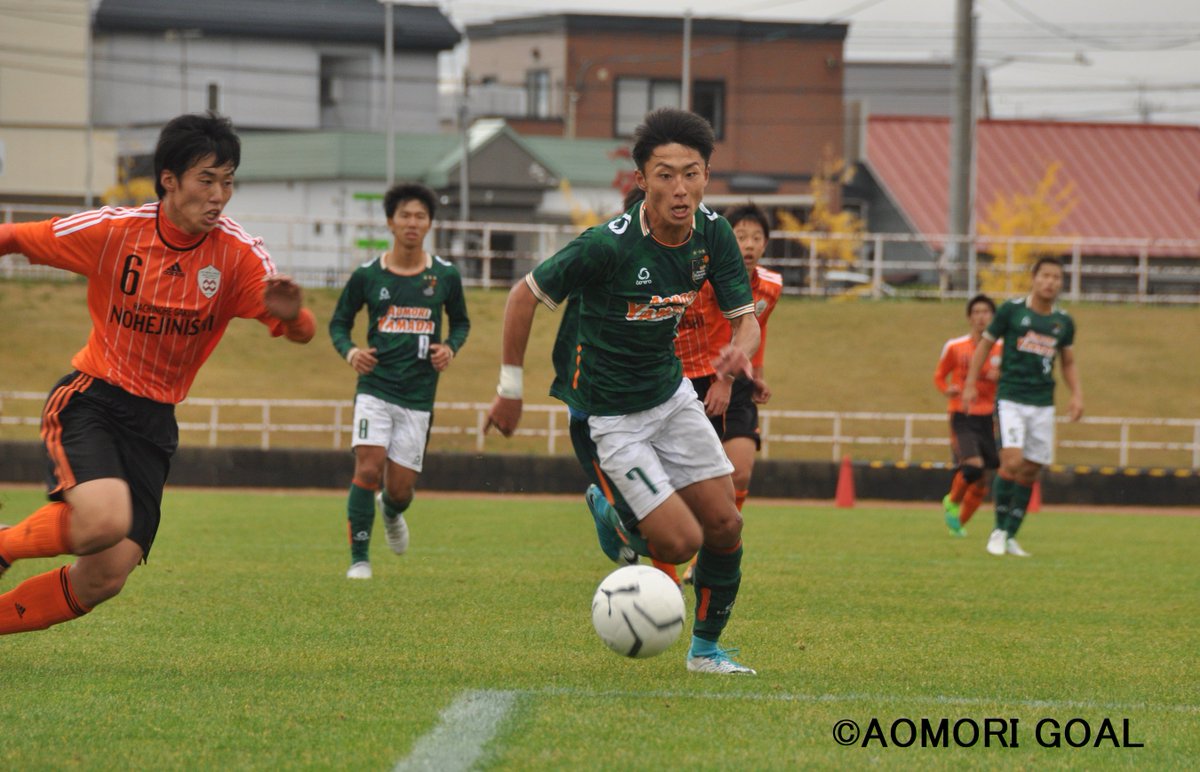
(1035, 498)
(845, 486)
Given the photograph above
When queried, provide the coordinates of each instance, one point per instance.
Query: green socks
(393, 508)
(1016, 511)
(718, 575)
(360, 511)
(1002, 493)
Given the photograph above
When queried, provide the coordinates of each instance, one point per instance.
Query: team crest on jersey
(699, 266)
(430, 285)
(210, 280)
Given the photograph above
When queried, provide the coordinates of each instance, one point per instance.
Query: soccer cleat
(952, 516)
(359, 570)
(1012, 548)
(610, 543)
(394, 528)
(626, 556)
(995, 545)
(717, 662)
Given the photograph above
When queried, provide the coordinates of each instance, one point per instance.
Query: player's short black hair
(1048, 260)
(189, 138)
(749, 211)
(408, 191)
(634, 195)
(981, 298)
(670, 125)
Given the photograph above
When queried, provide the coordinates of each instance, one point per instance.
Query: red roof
(1131, 181)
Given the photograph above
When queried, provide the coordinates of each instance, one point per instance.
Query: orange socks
(958, 488)
(971, 501)
(39, 602)
(41, 535)
(666, 568)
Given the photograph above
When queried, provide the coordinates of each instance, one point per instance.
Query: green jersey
(615, 351)
(1031, 343)
(404, 316)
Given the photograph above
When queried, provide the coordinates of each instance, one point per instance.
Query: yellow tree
(826, 218)
(1026, 215)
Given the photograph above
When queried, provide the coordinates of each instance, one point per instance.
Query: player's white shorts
(403, 431)
(1028, 427)
(653, 453)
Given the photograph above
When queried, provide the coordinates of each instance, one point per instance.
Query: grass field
(241, 646)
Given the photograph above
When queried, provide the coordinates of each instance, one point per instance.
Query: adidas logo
(20, 610)
(174, 270)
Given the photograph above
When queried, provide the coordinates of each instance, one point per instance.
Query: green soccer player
(405, 291)
(1035, 332)
(637, 427)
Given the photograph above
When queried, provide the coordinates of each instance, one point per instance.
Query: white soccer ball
(637, 611)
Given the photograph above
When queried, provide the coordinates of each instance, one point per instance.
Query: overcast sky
(1101, 60)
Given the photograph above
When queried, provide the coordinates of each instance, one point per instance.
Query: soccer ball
(637, 611)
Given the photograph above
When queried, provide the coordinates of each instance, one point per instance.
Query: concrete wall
(247, 467)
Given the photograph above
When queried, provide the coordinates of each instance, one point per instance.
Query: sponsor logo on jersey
(1036, 343)
(1024, 321)
(660, 308)
(384, 294)
(161, 320)
(175, 271)
(644, 277)
(414, 320)
(210, 280)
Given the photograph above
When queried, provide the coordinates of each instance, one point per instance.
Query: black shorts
(974, 435)
(741, 417)
(93, 430)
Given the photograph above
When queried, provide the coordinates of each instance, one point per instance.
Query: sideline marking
(464, 729)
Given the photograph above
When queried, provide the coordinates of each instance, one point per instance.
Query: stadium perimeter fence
(811, 435)
(321, 252)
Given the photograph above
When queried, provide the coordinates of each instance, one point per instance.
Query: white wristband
(512, 382)
(350, 355)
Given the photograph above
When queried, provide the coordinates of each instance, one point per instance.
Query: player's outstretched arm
(518, 322)
(284, 300)
(735, 358)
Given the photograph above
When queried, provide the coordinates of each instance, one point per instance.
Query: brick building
(772, 90)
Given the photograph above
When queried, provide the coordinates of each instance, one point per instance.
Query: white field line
(461, 734)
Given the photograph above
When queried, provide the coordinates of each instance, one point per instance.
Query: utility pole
(389, 85)
(962, 134)
(685, 82)
(464, 167)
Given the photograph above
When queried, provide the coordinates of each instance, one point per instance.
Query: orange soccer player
(731, 404)
(972, 433)
(164, 281)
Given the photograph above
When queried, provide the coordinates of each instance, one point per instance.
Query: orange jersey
(158, 310)
(955, 361)
(703, 330)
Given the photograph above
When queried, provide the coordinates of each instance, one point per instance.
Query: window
(537, 93)
(330, 83)
(637, 96)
